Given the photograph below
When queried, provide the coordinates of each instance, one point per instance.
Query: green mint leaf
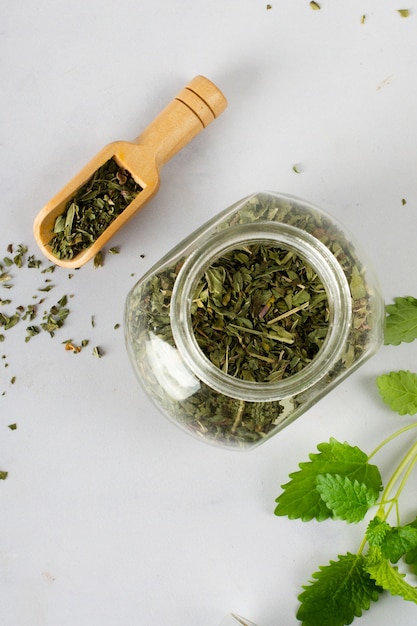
(377, 531)
(301, 499)
(339, 592)
(391, 542)
(348, 499)
(399, 391)
(401, 322)
(411, 559)
(398, 542)
(411, 556)
(389, 578)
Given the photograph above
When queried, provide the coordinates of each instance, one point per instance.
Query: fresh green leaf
(411, 559)
(390, 542)
(411, 556)
(401, 322)
(389, 578)
(377, 531)
(348, 499)
(339, 592)
(301, 498)
(398, 542)
(399, 391)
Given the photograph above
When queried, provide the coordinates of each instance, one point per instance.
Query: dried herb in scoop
(93, 208)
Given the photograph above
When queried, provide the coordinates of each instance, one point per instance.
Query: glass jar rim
(302, 243)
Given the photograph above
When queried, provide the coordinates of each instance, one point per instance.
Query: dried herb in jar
(223, 313)
(260, 313)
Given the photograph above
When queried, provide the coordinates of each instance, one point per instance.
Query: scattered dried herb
(98, 260)
(56, 316)
(93, 208)
(31, 331)
(404, 12)
(315, 6)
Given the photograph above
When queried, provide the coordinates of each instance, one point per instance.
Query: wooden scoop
(194, 108)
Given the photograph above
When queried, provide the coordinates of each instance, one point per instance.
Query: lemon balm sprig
(339, 482)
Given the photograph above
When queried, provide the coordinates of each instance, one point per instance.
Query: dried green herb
(12, 426)
(8, 322)
(33, 262)
(31, 331)
(98, 260)
(207, 413)
(260, 313)
(315, 6)
(3, 475)
(93, 208)
(55, 317)
(404, 12)
(97, 352)
(46, 289)
(19, 257)
(4, 277)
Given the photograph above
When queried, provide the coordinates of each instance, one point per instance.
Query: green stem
(394, 500)
(409, 459)
(391, 437)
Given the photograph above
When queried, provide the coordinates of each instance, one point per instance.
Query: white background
(110, 514)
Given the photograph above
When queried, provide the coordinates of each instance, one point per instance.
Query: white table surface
(110, 514)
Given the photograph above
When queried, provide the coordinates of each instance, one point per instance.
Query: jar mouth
(291, 238)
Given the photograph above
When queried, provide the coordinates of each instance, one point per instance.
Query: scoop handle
(194, 108)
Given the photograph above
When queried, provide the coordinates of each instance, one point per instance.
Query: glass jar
(253, 318)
